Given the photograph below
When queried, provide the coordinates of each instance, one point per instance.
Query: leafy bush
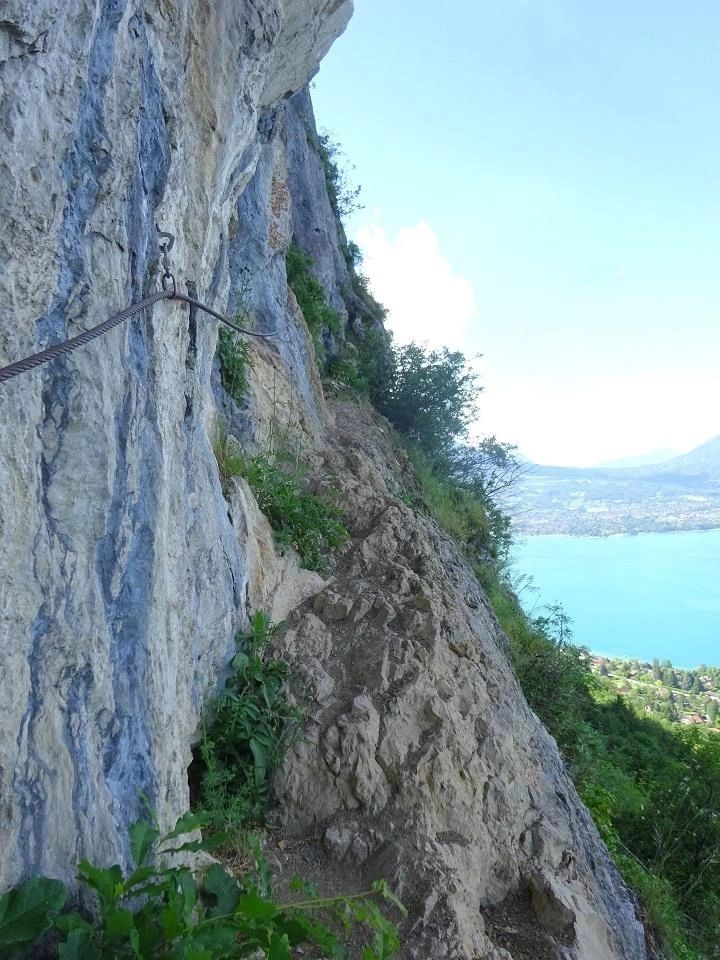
(301, 520)
(345, 369)
(161, 910)
(430, 396)
(311, 297)
(246, 732)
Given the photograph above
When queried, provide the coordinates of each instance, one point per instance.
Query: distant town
(690, 697)
(679, 494)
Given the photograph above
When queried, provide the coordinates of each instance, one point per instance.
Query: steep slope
(124, 571)
(422, 762)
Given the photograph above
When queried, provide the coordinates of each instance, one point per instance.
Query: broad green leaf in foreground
(27, 912)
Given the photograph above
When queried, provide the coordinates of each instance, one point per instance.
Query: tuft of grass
(300, 519)
(458, 511)
(230, 458)
(235, 363)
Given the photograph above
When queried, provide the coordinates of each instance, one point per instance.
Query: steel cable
(67, 346)
(191, 301)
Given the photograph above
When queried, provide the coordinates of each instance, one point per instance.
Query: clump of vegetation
(235, 363)
(457, 510)
(246, 732)
(232, 349)
(344, 197)
(346, 370)
(430, 396)
(228, 455)
(310, 524)
(311, 297)
(160, 909)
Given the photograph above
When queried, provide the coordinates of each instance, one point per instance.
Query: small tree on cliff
(430, 396)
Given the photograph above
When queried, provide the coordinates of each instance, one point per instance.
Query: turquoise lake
(645, 596)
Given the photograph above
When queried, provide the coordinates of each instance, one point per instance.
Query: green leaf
(69, 922)
(254, 907)
(78, 946)
(172, 923)
(26, 912)
(381, 887)
(108, 883)
(279, 947)
(187, 823)
(240, 663)
(141, 875)
(260, 757)
(223, 887)
(119, 923)
(142, 839)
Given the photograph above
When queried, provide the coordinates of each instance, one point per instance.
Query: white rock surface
(122, 579)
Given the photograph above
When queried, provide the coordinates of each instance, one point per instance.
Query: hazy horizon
(643, 457)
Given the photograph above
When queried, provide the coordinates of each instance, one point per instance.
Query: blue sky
(541, 181)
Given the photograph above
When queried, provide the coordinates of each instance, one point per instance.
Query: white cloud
(426, 300)
(583, 422)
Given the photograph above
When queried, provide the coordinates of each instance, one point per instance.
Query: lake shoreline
(631, 596)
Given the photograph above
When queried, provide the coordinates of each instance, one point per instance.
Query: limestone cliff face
(125, 571)
(121, 577)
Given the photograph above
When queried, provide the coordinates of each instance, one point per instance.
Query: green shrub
(345, 370)
(430, 396)
(246, 732)
(300, 519)
(375, 362)
(161, 910)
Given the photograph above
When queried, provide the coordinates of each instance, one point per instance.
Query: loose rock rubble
(421, 761)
